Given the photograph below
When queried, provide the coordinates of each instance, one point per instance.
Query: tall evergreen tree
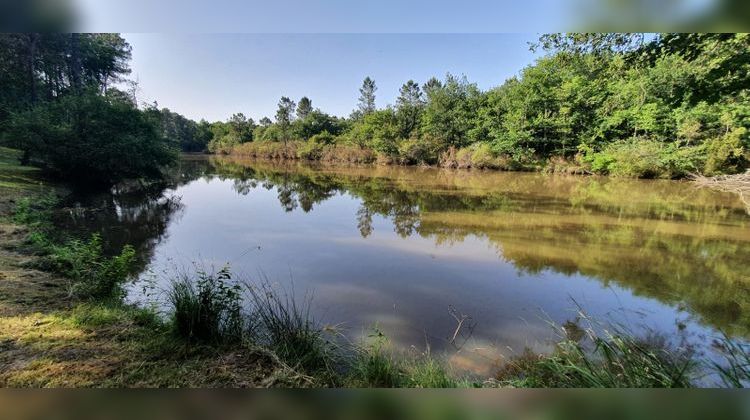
(409, 107)
(285, 116)
(304, 107)
(367, 96)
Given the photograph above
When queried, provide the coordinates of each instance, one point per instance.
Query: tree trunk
(75, 62)
(32, 40)
(25, 158)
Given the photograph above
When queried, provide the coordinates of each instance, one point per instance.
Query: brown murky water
(410, 250)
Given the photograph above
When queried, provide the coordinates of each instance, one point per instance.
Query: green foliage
(621, 104)
(613, 361)
(314, 148)
(374, 365)
(451, 110)
(316, 122)
(417, 151)
(377, 130)
(92, 139)
(644, 158)
(94, 276)
(207, 308)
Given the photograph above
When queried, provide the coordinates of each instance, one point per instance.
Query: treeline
(661, 105)
(59, 104)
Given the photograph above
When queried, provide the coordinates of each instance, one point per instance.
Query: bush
(92, 139)
(94, 275)
(419, 151)
(207, 309)
(478, 156)
(726, 154)
(313, 148)
(325, 138)
(268, 150)
(348, 154)
(645, 158)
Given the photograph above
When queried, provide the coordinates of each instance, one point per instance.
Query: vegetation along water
(381, 249)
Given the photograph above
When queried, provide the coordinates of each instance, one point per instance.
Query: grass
(735, 372)
(606, 359)
(208, 309)
(374, 365)
(285, 326)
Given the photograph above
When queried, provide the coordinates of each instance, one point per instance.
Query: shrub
(726, 154)
(634, 158)
(207, 309)
(419, 151)
(93, 275)
(323, 138)
(310, 150)
(92, 139)
(268, 150)
(463, 158)
(482, 157)
(347, 154)
(645, 158)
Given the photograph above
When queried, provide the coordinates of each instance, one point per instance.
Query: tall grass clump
(607, 360)
(280, 323)
(207, 308)
(735, 373)
(375, 365)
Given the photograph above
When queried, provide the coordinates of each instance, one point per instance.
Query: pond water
(414, 250)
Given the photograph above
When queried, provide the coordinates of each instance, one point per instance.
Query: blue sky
(212, 76)
(329, 16)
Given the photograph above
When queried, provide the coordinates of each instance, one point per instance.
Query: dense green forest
(624, 104)
(639, 105)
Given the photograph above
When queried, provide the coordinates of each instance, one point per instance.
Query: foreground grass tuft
(207, 309)
(606, 360)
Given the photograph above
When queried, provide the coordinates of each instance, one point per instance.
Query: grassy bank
(63, 323)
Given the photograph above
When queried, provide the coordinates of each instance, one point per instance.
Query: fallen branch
(738, 184)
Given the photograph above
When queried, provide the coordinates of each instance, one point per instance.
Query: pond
(413, 251)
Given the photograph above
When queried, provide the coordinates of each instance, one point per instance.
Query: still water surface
(411, 250)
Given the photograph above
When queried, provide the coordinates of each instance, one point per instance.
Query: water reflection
(400, 246)
(661, 239)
